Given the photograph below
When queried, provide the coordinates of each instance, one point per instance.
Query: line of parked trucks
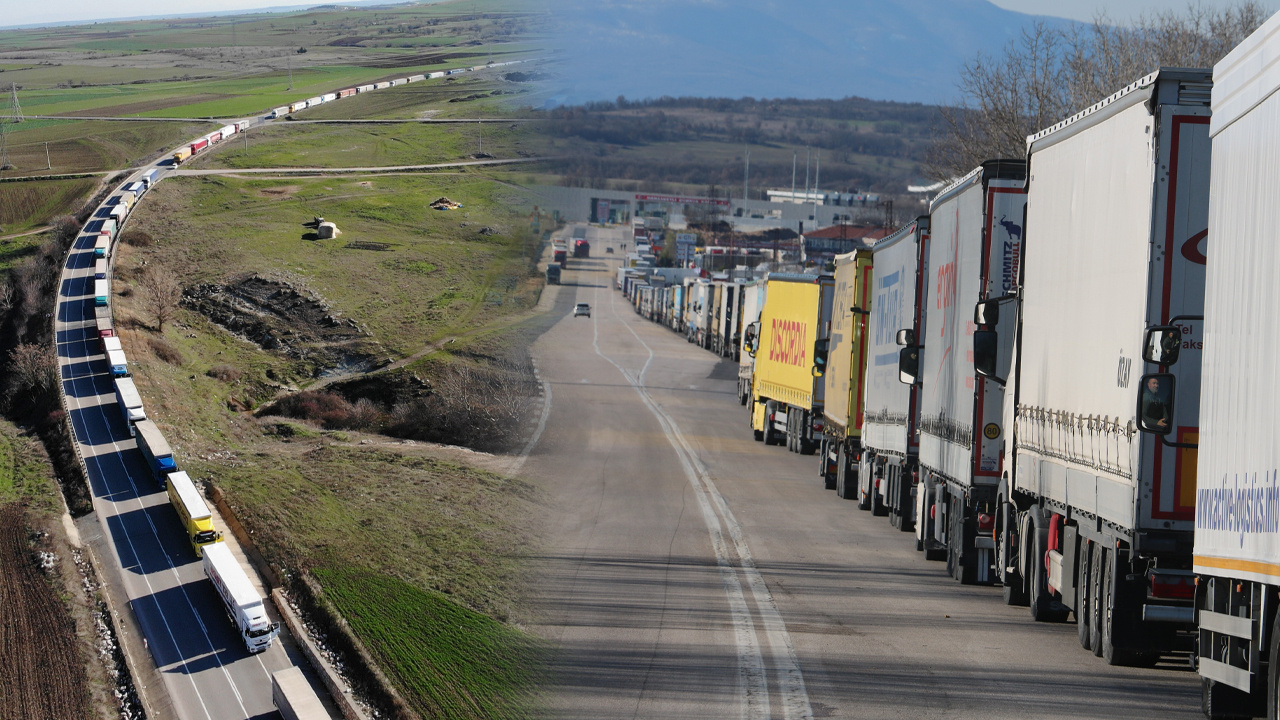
(242, 601)
(1054, 381)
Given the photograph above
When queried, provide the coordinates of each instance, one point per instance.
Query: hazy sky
(18, 12)
(1116, 9)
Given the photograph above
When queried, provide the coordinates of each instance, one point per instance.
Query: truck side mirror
(986, 313)
(986, 344)
(908, 363)
(753, 338)
(1155, 403)
(1161, 345)
(820, 350)
(907, 337)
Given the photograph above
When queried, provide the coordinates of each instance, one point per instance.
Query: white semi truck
(1096, 500)
(243, 603)
(976, 228)
(130, 403)
(1237, 518)
(886, 470)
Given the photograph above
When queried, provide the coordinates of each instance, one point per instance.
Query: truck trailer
(553, 274)
(102, 321)
(293, 696)
(130, 403)
(976, 228)
(240, 598)
(1095, 508)
(156, 450)
(101, 292)
(193, 511)
(752, 304)
(844, 363)
(786, 394)
(1235, 485)
(887, 475)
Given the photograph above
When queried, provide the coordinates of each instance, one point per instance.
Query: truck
(227, 131)
(1236, 551)
(199, 145)
(553, 274)
(786, 393)
(278, 113)
(193, 511)
(102, 247)
(156, 450)
(843, 362)
(101, 292)
(100, 269)
(130, 403)
(1095, 509)
(244, 605)
(560, 253)
(150, 177)
(976, 228)
(181, 155)
(119, 213)
(109, 227)
(102, 321)
(293, 697)
(886, 473)
(581, 249)
(753, 303)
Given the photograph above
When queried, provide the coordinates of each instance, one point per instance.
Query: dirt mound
(279, 317)
(42, 672)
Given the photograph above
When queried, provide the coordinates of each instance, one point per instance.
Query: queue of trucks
(243, 603)
(1054, 380)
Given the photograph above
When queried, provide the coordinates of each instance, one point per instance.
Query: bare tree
(1049, 73)
(34, 368)
(160, 294)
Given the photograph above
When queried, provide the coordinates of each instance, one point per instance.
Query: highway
(207, 671)
(691, 572)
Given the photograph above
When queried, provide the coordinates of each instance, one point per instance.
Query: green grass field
(456, 663)
(28, 205)
(25, 474)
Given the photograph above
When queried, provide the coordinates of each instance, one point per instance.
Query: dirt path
(37, 231)
(40, 669)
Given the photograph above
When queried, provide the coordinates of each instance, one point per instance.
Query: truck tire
(770, 434)
(1223, 702)
(1084, 617)
(878, 507)
(846, 482)
(1013, 591)
(1119, 616)
(830, 480)
(1097, 576)
(1042, 604)
(757, 434)
(961, 535)
(864, 484)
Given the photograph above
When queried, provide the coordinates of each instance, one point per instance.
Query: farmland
(223, 67)
(49, 667)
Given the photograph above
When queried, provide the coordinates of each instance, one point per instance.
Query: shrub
(225, 373)
(136, 238)
(166, 351)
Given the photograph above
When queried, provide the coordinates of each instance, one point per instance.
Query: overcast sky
(17, 12)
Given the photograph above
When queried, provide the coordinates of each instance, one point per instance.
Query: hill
(904, 51)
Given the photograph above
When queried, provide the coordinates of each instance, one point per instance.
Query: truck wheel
(877, 499)
(1014, 589)
(1117, 612)
(1097, 576)
(770, 435)
(846, 481)
(830, 480)
(1223, 702)
(1042, 605)
(1084, 618)
(758, 435)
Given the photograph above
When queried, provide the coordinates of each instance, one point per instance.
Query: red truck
(561, 253)
(581, 249)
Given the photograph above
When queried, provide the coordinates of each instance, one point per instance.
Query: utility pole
(290, 59)
(481, 124)
(794, 155)
(817, 174)
(48, 164)
(746, 175)
(15, 110)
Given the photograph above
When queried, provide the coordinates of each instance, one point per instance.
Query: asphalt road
(691, 572)
(208, 674)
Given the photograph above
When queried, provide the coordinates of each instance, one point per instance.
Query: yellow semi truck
(193, 512)
(786, 386)
(846, 364)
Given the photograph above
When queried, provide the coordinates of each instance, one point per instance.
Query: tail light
(986, 522)
(1172, 587)
(817, 425)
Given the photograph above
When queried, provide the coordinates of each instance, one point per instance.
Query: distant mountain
(904, 50)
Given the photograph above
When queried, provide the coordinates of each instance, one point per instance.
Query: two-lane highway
(692, 572)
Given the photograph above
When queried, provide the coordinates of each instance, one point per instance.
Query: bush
(166, 351)
(225, 373)
(330, 410)
(136, 238)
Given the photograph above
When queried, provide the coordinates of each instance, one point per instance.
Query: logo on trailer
(789, 344)
(1192, 248)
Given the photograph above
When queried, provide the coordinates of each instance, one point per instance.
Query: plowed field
(41, 672)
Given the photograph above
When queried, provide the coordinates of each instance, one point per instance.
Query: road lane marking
(795, 697)
(753, 682)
